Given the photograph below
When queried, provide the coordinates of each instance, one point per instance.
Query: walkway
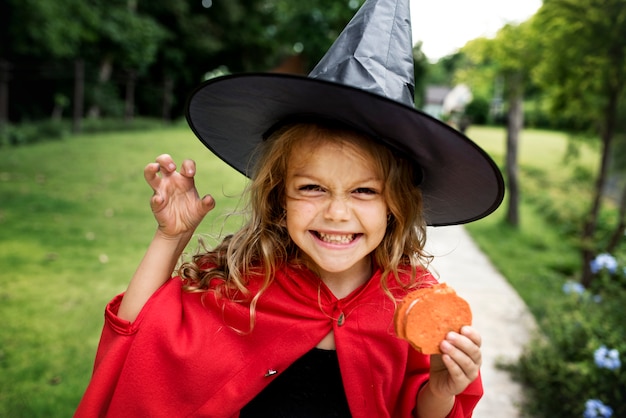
(499, 314)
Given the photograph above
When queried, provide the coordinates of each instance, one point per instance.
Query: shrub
(575, 368)
(478, 111)
(32, 132)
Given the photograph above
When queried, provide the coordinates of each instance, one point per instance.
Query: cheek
(374, 219)
(298, 213)
(377, 218)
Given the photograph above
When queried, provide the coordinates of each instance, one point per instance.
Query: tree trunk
(514, 126)
(618, 232)
(168, 98)
(591, 222)
(79, 95)
(106, 68)
(129, 103)
(5, 68)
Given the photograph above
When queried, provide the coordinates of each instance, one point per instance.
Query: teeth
(336, 239)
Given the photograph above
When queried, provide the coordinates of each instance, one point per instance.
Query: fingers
(208, 203)
(472, 334)
(163, 164)
(461, 355)
(164, 168)
(166, 163)
(188, 168)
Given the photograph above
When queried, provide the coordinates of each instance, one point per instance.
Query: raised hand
(175, 203)
(178, 210)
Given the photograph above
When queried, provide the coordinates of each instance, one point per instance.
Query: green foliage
(478, 110)
(541, 260)
(443, 71)
(583, 79)
(558, 368)
(165, 47)
(135, 39)
(54, 28)
(314, 26)
(99, 125)
(30, 133)
(542, 191)
(107, 98)
(54, 129)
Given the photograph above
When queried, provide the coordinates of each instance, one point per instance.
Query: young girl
(292, 316)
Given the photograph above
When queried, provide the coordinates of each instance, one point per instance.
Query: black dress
(310, 388)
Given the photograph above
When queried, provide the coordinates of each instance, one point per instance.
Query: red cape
(185, 355)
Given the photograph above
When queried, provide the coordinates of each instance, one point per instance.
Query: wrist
(433, 404)
(436, 394)
(176, 238)
(174, 245)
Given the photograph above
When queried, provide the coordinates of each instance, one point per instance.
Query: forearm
(430, 405)
(154, 269)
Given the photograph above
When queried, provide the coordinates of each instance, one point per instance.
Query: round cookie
(426, 315)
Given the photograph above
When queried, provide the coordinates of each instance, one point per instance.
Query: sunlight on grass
(544, 150)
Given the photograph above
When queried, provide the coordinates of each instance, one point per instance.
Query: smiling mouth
(335, 238)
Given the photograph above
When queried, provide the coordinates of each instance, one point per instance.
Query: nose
(338, 209)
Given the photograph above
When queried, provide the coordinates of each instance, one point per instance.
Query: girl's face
(336, 213)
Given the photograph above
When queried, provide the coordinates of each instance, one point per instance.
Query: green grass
(539, 256)
(74, 222)
(538, 149)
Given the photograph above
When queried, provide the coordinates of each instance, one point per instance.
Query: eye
(311, 188)
(365, 190)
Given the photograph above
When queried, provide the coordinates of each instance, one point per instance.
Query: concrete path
(499, 314)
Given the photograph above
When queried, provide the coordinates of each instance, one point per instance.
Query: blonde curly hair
(263, 244)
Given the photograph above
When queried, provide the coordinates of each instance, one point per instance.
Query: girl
(292, 316)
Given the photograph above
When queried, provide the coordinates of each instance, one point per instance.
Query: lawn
(75, 220)
(539, 256)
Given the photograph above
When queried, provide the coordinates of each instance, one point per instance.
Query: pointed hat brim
(231, 114)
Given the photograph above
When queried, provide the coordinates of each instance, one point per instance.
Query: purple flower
(573, 287)
(603, 261)
(594, 408)
(607, 359)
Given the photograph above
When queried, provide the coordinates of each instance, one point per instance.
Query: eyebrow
(311, 177)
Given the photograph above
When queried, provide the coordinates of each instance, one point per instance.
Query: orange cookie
(426, 315)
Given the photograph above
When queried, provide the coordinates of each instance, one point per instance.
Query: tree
(126, 38)
(162, 46)
(506, 59)
(583, 71)
(420, 70)
(513, 51)
(46, 31)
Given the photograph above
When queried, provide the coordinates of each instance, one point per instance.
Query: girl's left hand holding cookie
(450, 373)
(458, 365)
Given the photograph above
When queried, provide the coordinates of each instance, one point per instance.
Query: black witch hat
(366, 81)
